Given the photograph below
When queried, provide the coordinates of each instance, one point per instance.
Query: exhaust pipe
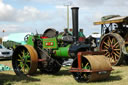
(75, 23)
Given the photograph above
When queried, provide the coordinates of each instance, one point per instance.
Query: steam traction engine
(46, 52)
(114, 39)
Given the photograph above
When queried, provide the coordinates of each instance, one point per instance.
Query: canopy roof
(113, 20)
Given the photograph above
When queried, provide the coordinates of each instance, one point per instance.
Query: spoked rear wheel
(25, 60)
(112, 44)
(81, 76)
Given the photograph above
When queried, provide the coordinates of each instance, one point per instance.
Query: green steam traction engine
(46, 52)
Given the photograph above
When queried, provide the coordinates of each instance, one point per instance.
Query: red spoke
(109, 41)
(116, 55)
(115, 44)
(106, 47)
(106, 53)
(117, 52)
(116, 49)
(106, 44)
(113, 58)
(112, 41)
(107, 56)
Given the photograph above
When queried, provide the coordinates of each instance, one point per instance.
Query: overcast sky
(31, 15)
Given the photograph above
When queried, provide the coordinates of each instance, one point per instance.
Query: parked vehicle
(5, 53)
(114, 38)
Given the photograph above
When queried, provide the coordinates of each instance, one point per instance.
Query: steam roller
(48, 51)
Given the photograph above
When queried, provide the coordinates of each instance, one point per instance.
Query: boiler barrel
(62, 52)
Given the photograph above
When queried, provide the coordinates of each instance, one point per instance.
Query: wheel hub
(110, 49)
(24, 61)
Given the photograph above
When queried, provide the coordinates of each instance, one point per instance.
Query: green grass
(119, 76)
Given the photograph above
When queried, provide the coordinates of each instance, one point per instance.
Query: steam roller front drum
(93, 68)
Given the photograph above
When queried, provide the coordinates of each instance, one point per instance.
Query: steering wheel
(26, 37)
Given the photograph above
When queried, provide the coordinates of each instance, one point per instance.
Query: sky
(37, 15)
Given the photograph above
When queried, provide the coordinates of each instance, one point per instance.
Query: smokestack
(75, 23)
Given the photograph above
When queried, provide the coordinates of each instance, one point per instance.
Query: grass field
(119, 76)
